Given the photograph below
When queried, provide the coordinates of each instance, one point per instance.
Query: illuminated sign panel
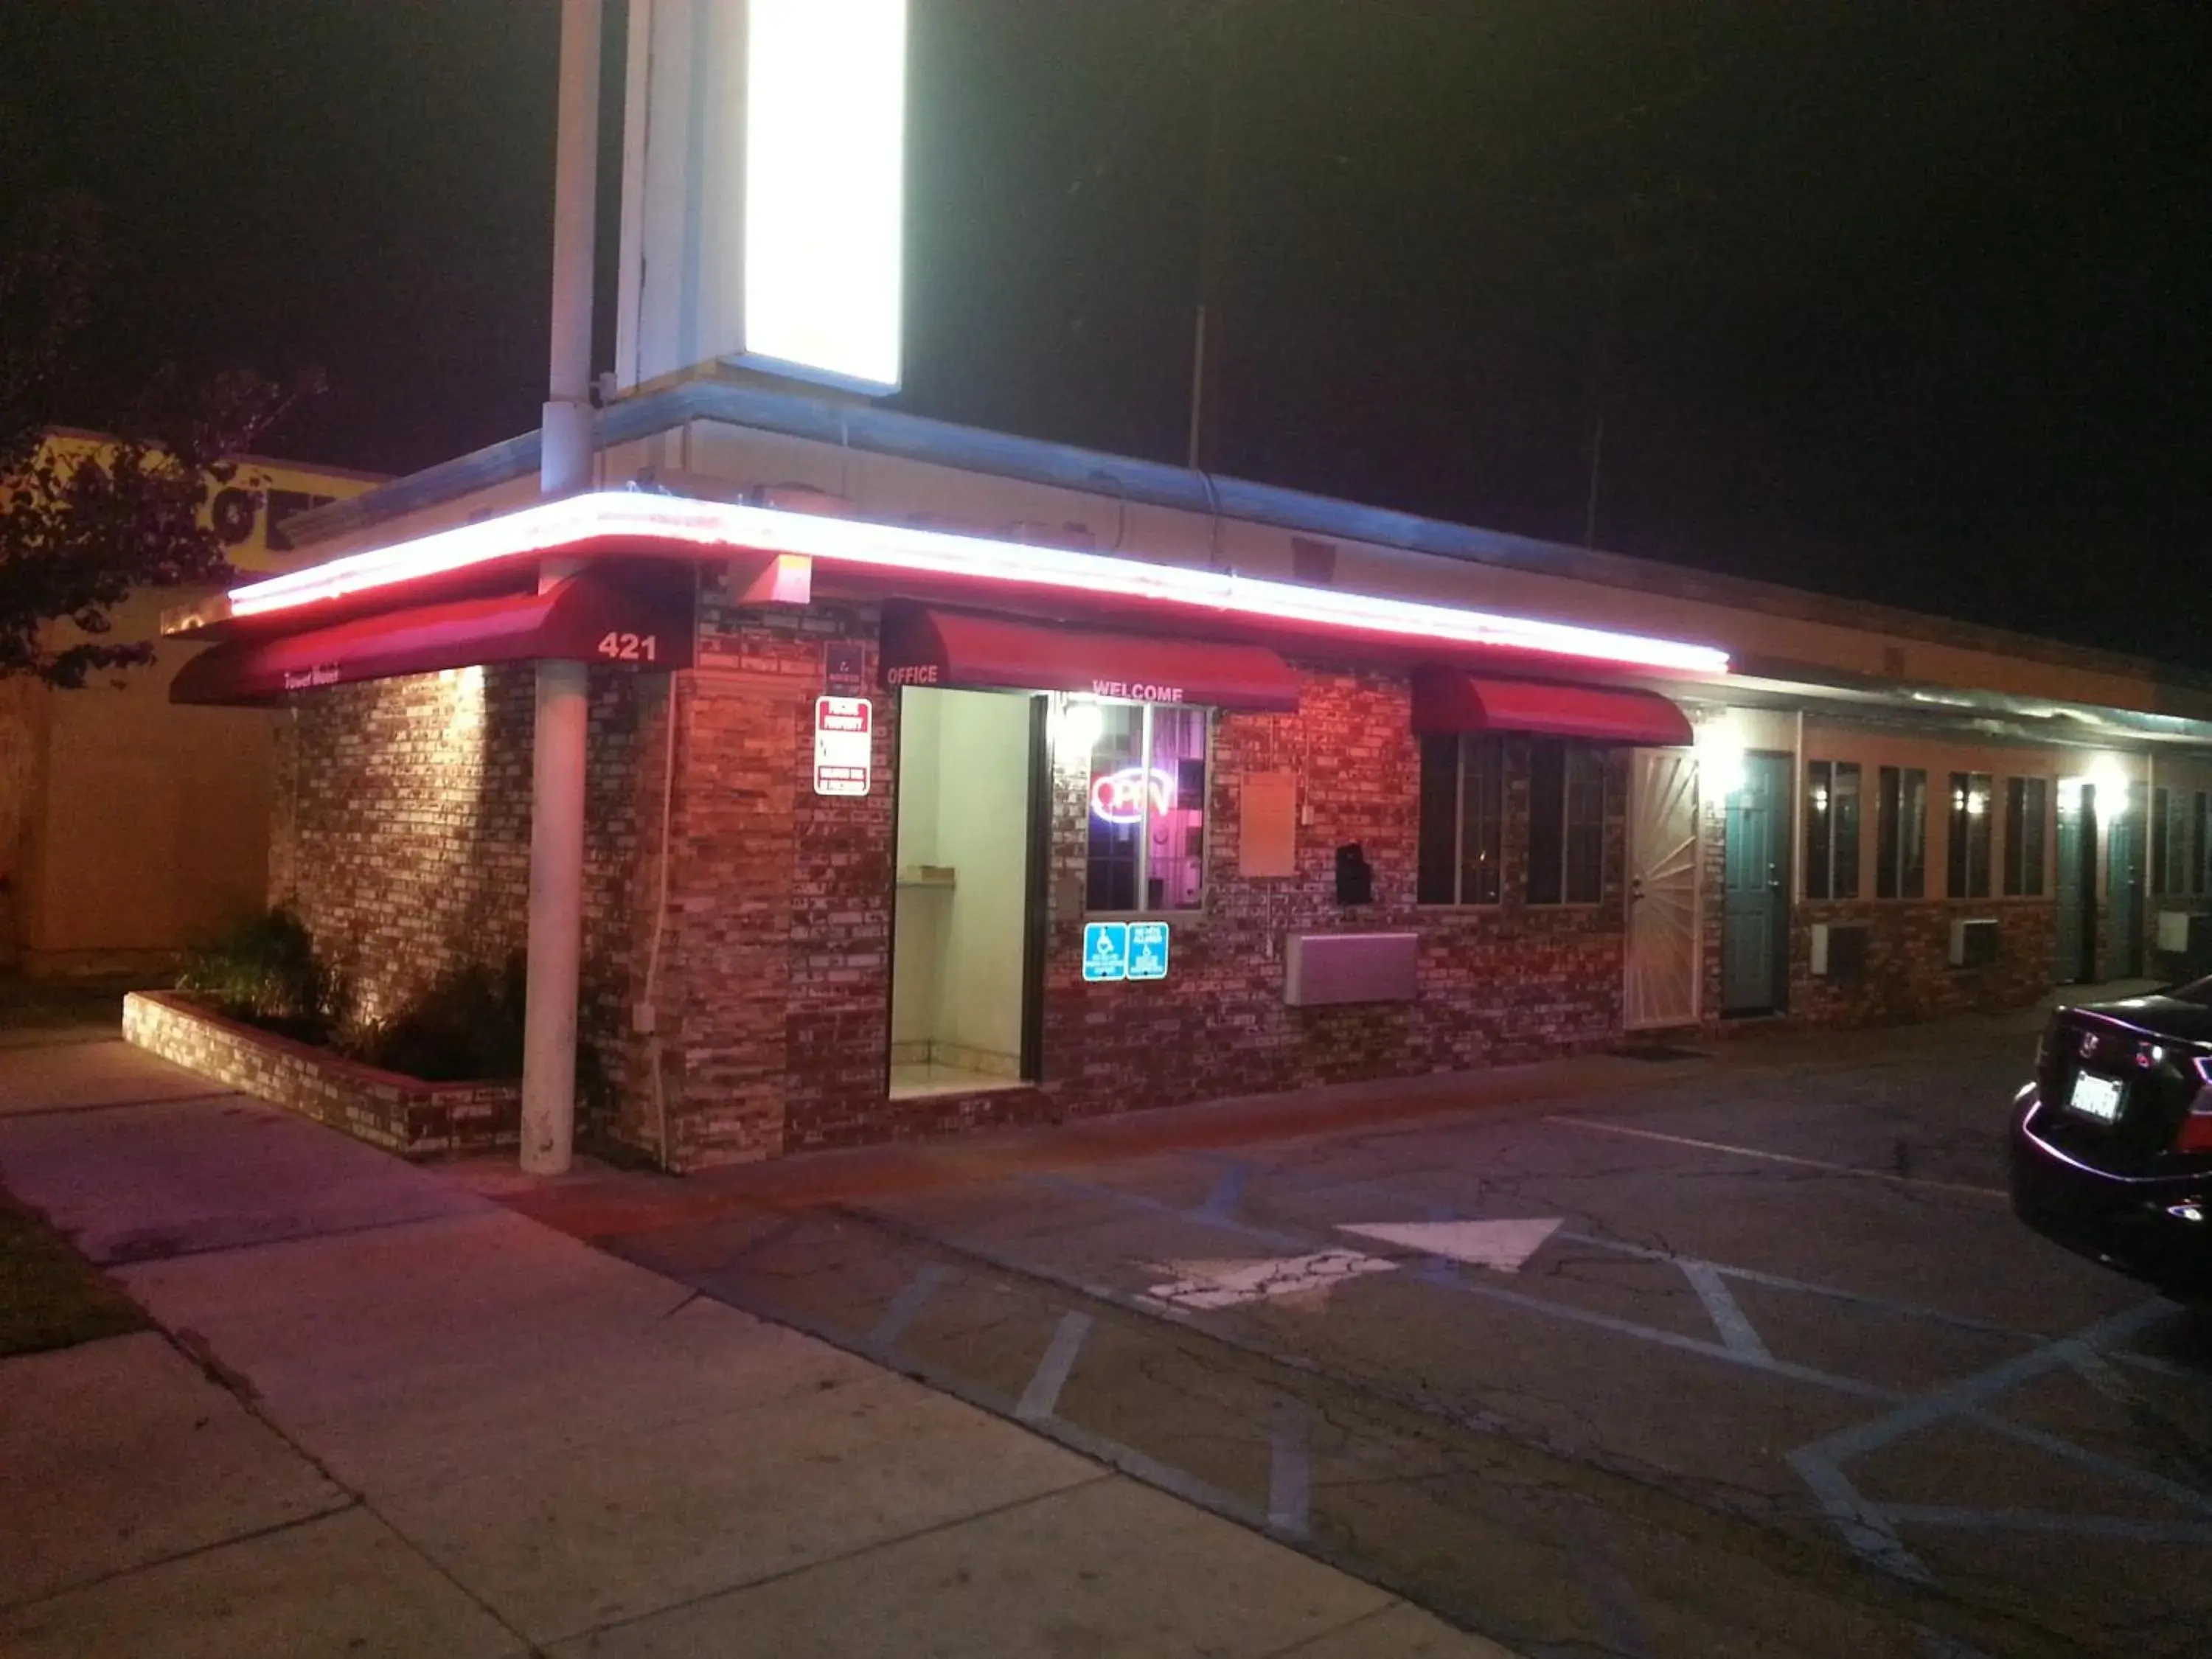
(1119, 797)
(825, 118)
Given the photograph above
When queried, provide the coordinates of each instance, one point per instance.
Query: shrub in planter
(266, 971)
(464, 1025)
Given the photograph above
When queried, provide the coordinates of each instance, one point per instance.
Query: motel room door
(1755, 904)
(2123, 882)
(2077, 944)
(1662, 955)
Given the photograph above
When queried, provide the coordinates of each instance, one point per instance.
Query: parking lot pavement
(1752, 1359)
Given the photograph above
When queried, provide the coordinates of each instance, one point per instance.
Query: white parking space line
(1205, 1285)
(902, 1309)
(1749, 1275)
(1041, 1397)
(1504, 1245)
(1729, 1319)
(1778, 1158)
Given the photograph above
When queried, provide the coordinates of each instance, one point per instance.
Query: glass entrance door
(966, 932)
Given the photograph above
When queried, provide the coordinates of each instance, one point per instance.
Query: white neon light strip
(726, 527)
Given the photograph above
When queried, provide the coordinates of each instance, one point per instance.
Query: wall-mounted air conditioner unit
(1839, 951)
(1974, 942)
(1322, 969)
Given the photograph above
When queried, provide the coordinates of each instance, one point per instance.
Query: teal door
(2124, 887)
(2076, 950)
(1755, 904)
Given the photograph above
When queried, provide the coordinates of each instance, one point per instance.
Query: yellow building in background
(130, 828)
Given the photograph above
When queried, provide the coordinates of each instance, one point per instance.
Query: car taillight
(2195, 1134)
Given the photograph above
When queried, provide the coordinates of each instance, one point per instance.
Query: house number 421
(630, 647)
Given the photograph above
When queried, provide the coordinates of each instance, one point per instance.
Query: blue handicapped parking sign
(1148, 950)
(1105, 950)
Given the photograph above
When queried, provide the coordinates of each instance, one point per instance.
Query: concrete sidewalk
(387, 1416)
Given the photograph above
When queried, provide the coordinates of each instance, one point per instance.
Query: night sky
(1901, 300)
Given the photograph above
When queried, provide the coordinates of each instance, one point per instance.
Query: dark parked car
(2111, 1144)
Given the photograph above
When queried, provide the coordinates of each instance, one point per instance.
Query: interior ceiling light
(682, 524)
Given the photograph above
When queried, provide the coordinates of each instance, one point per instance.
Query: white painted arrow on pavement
(1504, 1245)
(1226, 1283)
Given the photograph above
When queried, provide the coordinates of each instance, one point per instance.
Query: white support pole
(556, 778)
(575, 204)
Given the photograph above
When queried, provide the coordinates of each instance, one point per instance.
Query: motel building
(934, 778)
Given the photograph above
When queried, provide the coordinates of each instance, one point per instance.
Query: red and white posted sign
(844, 739)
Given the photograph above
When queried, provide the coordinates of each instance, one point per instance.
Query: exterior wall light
(1081, 722)
(2111, 785)
(1721, 770)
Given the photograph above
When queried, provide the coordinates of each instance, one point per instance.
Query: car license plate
(2096, 1097)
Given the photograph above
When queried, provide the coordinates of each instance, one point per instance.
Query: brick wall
(736, 1002)
(771, 1008)
(402, 834)
(1908, 974)
(404, 1114)
(770, 1003)
(1509, 982)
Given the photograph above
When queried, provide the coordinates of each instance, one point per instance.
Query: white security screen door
(1662, 890)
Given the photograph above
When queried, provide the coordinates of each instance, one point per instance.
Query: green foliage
(466, 1024)
(266, 971)
(80, 531)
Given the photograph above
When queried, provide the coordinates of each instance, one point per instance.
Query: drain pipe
(556, 775)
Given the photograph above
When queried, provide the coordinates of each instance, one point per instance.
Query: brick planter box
(403, 1114)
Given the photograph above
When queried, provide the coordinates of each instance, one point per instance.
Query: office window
(1462, 818)
(2026, 803)
(1900, 833)
(1566, 822)
(1969, 870)
(1831, 830)
(1147, 808)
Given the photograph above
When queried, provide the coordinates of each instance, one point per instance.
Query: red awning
(1451, 700)
(925, 645)
(594, 618)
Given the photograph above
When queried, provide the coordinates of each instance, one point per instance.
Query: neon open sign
(1119, 797)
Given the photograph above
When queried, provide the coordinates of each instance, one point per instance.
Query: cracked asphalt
(1785, 1377)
